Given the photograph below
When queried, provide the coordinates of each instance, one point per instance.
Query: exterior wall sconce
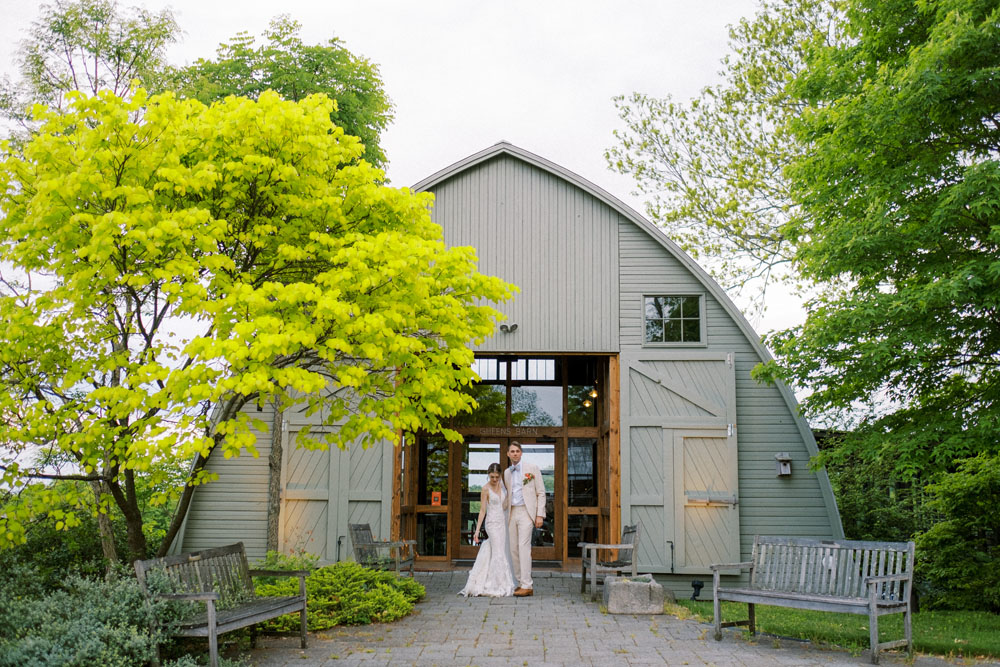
(783, 464)
(511, 328)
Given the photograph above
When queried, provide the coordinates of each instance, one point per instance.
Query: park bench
(380, 554)
(622, 560)
(869, 578)
(221, 579)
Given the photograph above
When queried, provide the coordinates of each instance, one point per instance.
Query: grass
(966, 634)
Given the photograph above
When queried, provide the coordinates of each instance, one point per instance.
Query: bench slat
(261, 609)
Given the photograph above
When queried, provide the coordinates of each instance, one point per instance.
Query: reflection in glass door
(476, 458)
(543, 455)
(432, 497)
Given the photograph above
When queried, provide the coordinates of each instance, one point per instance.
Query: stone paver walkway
(557, 626)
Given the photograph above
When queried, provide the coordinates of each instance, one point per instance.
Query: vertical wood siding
(323, 491)
(553, 240)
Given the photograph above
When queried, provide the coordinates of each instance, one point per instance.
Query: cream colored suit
(522, 519)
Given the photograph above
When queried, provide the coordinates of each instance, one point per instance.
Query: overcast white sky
(465, 74)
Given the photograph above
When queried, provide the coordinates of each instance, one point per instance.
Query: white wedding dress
(492, 574)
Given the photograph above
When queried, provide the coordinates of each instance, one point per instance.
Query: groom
(527, 511)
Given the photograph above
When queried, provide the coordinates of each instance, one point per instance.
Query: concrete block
(633, 595)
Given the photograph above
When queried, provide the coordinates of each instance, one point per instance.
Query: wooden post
(395, 529)
(614, 447)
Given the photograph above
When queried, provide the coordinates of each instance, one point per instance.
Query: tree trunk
(105, 529)
(129, 507)
(133, 521)
(274, 480)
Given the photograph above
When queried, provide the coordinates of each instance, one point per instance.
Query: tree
(294, 70)
(88, 46)
(712, 167)
(961, 553)
(901, 121)
(167, 264)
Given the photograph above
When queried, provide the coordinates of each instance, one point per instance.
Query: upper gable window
(673, 319)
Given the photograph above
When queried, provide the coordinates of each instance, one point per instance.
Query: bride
(492, 574)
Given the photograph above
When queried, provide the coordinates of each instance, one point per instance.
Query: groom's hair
(514, 443)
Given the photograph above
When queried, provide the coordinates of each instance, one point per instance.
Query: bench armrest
(715, 567)
(386, 544)
(207, 595)
(887, 578)
(280, 573)
(591, 545)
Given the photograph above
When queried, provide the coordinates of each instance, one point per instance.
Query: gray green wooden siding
(551, 239)
(558, 242)
(765, 425)
(323, 492)
(234, 507)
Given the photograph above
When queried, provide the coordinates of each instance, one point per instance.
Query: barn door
(679, 463)
(305, 499)
(323, 491)
(308, 517)
(706, 502)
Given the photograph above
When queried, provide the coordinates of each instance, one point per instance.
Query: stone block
(633, 595)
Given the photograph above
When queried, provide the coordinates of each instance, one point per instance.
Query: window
(673, 319)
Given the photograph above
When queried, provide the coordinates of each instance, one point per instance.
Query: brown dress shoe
(523, 592)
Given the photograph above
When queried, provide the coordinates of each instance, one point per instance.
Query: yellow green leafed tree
(165, 264)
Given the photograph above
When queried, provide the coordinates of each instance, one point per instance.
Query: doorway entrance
(477, 455)
(557, 408)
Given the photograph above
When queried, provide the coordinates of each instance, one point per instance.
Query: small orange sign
(435, 497)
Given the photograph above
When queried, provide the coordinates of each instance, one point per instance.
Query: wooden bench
(624, 559)
(220, 577)
(869, 578)
(372, 553)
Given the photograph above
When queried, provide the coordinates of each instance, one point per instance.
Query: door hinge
(730, 429)
(729, 359)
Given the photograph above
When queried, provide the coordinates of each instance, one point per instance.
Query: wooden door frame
(608, 462)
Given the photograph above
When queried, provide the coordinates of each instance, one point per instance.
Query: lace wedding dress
(491, 574)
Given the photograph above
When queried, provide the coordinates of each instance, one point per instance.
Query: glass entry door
(545, 542)
(470, 477)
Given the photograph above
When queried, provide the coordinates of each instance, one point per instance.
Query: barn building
(622, 368)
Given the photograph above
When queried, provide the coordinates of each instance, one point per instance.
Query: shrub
(960, 555)
(346, 594)
(50, 553)
(88, 622)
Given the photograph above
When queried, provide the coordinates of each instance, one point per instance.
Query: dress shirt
(516, 487)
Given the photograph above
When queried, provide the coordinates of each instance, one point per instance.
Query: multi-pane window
(673, 319)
